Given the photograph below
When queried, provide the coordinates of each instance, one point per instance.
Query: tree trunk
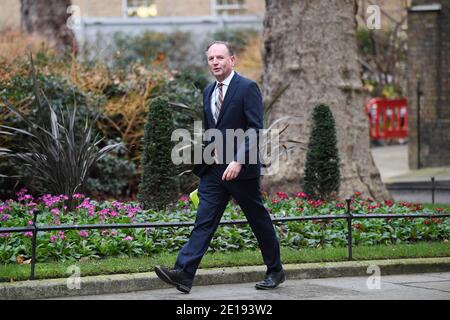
(48, 18)
(311, 45)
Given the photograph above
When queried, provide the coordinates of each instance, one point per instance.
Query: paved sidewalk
(428, 286)
(392, 161)
(249, 275)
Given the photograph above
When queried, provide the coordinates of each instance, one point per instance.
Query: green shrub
(112, 175)
(173, 49)
(322, 175)
(238, 38)
(58, 158)
(159, 184)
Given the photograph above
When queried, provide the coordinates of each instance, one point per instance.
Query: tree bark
(48, 18)
(311, 45)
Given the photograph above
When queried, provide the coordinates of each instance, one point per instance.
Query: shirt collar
(227, 79)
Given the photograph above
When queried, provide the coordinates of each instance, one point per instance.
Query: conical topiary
(158, 186)
(322, 175)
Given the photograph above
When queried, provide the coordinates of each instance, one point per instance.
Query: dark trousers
(214, 194)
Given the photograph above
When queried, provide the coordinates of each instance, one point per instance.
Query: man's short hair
(225, 43)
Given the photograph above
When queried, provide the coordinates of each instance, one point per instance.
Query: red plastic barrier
(388, 118)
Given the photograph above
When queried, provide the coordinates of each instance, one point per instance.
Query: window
(229, 7)
(140, 8)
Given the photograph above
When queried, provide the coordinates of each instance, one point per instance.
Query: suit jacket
(242, 108)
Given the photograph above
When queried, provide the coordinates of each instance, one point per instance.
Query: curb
(107, 284)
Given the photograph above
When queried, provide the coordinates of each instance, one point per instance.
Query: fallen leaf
(20, 259)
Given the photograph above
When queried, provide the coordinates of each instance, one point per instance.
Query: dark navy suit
(241, 109)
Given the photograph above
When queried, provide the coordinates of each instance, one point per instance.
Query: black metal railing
(416, 186)
(349, 216)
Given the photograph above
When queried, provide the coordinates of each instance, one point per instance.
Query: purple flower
(53, 239)
(55, 211)
(5, 235)
(118, 205)
(78, 196)
(5, 217)
(28, 234)
(25, 197)
(83, 234)
(128, 238)
(105, 233)
(104, 211)
(61, 234)
(184, 199)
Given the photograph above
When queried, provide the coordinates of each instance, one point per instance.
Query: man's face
(220, 63)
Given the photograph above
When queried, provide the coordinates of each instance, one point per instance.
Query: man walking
(231, 102)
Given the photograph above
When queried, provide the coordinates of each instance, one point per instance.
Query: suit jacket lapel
(228, 96)
(207, 106)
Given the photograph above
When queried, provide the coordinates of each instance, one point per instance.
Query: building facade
(429, 83)
(10, 9)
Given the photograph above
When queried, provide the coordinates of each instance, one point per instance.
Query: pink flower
(5, 217)
(21, 192)
(61, 235)
(105, 233)
(301, 195)
(78, 196)
(113, 232)
(25, 197)
(53, 239)
(83, 234)
(128, 238)
(5, 235)
(389, 203)
(28, 234)
(30, 222)
(55, 211)
(118, 205)
(281, 195)
(113, 214)
(104, 211)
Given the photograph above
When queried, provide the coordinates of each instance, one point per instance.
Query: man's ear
(233, 60)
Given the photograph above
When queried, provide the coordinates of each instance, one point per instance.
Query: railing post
(33, 244)
(433, 187)
(349, 227)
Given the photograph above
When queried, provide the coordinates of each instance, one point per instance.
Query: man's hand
(232, 171)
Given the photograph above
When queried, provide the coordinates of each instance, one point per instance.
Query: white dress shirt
(215, 94)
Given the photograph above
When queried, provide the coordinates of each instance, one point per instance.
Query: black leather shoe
(178, 278)
(272, 280)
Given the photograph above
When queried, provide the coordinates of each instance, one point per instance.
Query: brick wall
(429, 61)
(109, 8)
(10, 9)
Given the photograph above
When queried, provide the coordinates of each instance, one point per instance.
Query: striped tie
(219, 101)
